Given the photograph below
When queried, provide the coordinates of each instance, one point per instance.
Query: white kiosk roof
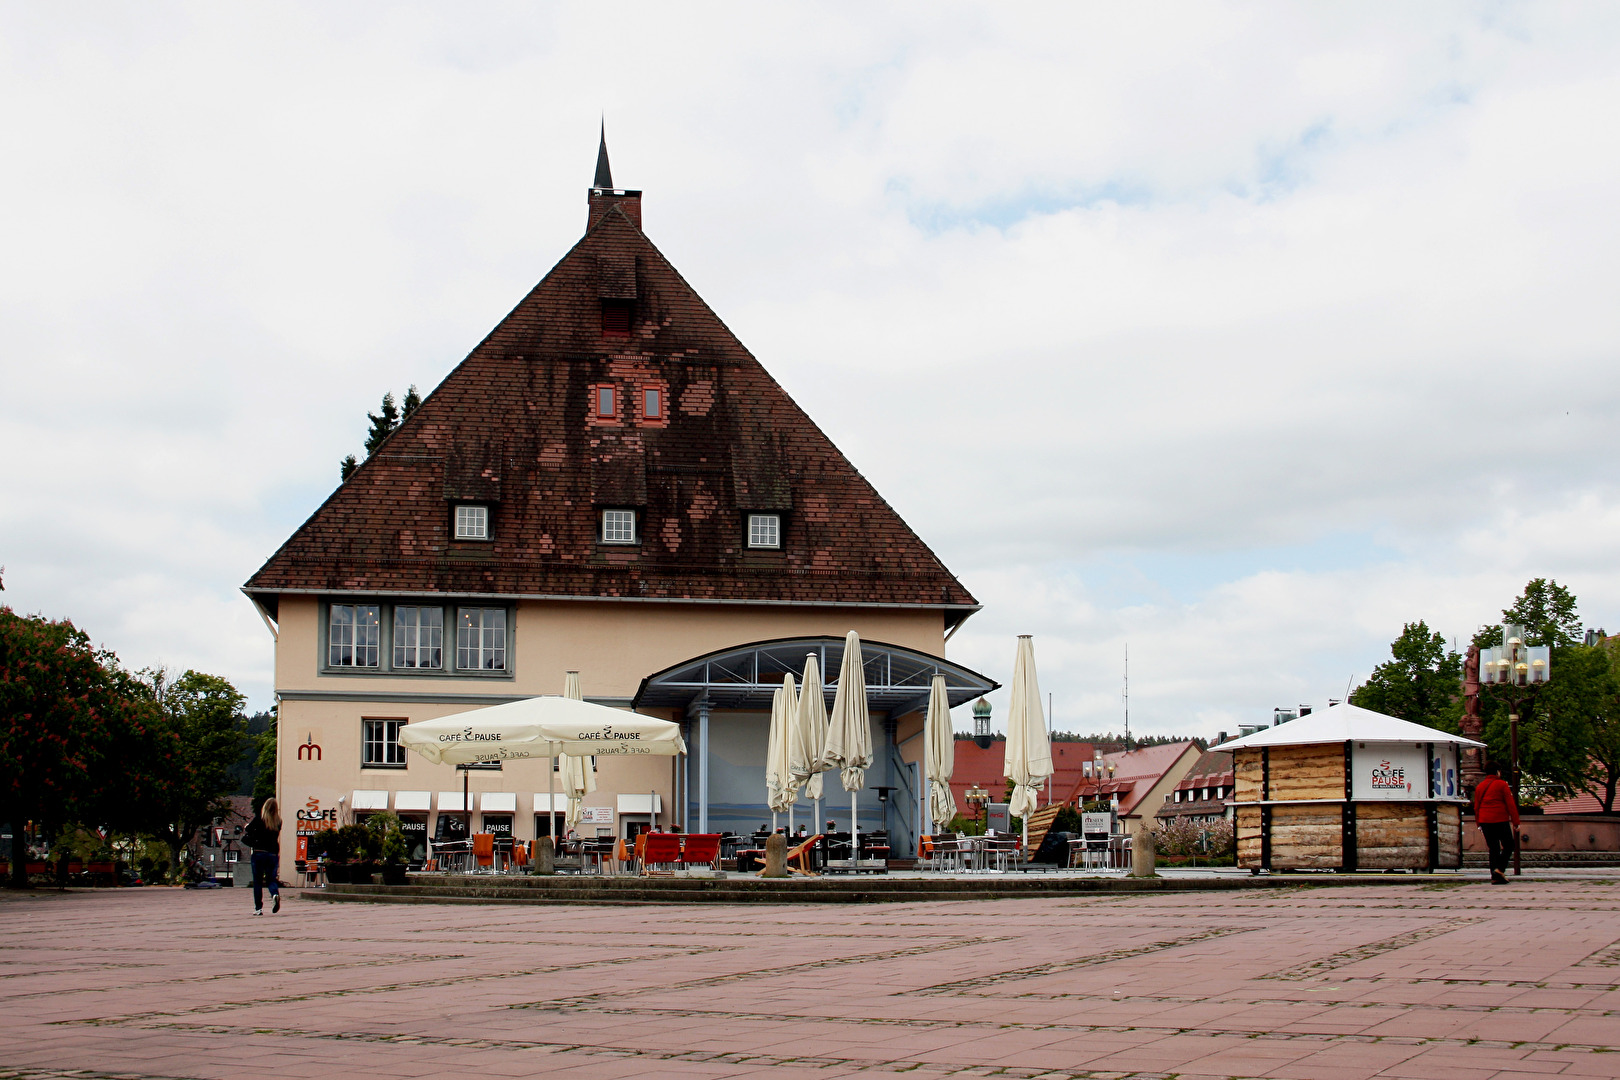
(1342, 723)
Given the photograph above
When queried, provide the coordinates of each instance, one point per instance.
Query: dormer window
(472, 523)
(616, 316)
(765, 530)
(618, 527)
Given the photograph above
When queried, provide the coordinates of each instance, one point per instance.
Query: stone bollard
(545, 856)
(1143, 854)
(775, 856)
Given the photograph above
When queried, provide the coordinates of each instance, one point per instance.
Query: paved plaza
(1434, 981)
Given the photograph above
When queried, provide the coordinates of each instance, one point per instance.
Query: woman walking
(263, 837)
(1496, 812)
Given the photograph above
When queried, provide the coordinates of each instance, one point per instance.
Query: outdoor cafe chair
(483, 852)
(1001, 851)
(598, 853)
(701, 849)
(662, 854)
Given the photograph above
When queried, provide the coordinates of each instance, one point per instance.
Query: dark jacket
(260, 837)
(1494, 802)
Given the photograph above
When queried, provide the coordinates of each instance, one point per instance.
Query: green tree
(383, 423)
(1556, 719)
(49, 692)
(1601, 776)
(264, 778)
(1419, 684)
(1547, 612)
(205, 712)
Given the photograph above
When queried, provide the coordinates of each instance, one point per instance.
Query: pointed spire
(604, 175)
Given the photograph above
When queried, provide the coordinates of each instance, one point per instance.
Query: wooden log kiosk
(1348, 789)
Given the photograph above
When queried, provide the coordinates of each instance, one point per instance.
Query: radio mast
(1125, 695)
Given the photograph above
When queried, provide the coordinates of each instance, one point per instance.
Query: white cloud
(1241, 333)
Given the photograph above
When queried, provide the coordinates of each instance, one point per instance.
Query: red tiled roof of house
(513, 426)
(1135, 773)
(987, 768)
(1584, 803)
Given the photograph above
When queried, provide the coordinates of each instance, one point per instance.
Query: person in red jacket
(1497, 813)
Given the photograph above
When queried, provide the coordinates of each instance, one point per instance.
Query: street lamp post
(977, 796)
(1524, 667)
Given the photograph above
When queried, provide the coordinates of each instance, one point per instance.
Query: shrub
(1184, 836)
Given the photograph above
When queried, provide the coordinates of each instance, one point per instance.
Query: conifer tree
(383, 423)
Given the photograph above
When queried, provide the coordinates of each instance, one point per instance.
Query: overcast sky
(1241, 334)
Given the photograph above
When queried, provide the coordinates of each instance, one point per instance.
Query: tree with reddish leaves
(52, 719)
(81, 739)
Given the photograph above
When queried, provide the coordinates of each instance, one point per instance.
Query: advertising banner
(1389, 771)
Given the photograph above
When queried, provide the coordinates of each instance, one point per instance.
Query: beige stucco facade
(614, 645)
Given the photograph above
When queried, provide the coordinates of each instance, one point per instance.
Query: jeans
(266, 868)
(1499, 839)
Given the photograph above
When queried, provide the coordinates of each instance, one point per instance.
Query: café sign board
(1402, 771)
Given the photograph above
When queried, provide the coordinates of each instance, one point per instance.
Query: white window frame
(765, 531)
(418, 646)
(482, 643)
(472, 521)
(376, 732)
(613, 527)
(354, 643)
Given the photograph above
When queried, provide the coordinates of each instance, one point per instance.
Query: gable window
(472, 523)
(652, 403)
(354, 635)
(481, 639)
(379, 744)
(764, 530)
(618, 526)
(604, 403)
(616, 317)
(418, 637)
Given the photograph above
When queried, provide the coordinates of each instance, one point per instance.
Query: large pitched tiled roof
(513, 425)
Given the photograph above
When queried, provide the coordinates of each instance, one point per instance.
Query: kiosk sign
(1389, 770)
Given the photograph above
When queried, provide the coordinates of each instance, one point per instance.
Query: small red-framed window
(616, 317)
(652, 402)
(603, 402)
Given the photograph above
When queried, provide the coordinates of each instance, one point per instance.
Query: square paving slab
(1418, 981)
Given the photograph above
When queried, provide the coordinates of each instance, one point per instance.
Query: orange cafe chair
(484, 851)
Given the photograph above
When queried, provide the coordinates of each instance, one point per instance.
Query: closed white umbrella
(780, 789)
(1029, 755)
(577, 775)
(809, 738)
(849, 730)
(939, 754)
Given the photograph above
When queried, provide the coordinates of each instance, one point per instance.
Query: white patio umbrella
(1029, 754)
(849, 730)
(780, 790)
(939, 754)
(809, 738)
(540, 727)
(577, 775)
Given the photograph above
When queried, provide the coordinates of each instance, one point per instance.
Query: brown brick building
(609, 483)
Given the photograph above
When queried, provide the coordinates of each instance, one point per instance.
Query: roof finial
(604, 175)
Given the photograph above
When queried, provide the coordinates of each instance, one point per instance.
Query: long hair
(270, 814)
